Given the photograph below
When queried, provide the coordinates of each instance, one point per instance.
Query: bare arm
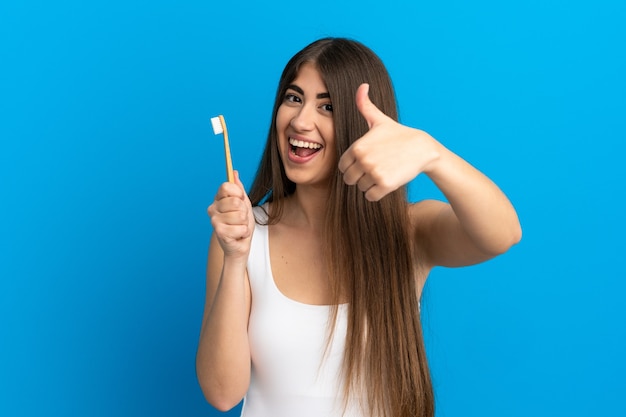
(478, 223)
(223, 356)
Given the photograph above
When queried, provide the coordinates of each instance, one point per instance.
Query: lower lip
(300, 159)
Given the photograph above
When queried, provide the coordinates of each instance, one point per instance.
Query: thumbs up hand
(389, 155)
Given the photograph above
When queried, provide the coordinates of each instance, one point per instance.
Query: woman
(312, 305)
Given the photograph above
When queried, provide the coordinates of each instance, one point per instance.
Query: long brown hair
(369, 252)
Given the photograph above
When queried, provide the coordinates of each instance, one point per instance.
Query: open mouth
(303, 149)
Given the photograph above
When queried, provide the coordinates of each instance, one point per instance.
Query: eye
(327, 107)
(292, 98)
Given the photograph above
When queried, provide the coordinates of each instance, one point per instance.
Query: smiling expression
(305, 129)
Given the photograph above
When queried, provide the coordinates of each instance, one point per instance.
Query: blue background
(108, 162)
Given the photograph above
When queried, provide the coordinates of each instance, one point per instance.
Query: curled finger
(227, 190)
(365, 183)
(353, 174)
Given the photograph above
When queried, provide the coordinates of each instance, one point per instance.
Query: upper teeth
(303, 144)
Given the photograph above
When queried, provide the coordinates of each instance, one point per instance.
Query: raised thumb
(368, 110)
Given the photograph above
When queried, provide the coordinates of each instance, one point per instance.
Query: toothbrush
(219, 126)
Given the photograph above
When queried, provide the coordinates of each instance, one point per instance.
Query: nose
(304, 119)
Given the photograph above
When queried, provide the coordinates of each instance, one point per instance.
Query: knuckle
(349, 179)
(377, 174)
(384, 182)
(372, 195)
(228, 189)
(216, 224)
(212, 210)
(359, 150)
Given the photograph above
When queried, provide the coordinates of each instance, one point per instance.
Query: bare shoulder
(424, 213)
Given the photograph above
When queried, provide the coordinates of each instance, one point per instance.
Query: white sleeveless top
(291, 376)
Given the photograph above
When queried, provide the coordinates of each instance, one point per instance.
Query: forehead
(308, 77)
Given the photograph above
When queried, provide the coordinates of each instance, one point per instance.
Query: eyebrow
(300, 91)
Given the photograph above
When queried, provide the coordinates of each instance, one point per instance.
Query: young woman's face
(305, 129)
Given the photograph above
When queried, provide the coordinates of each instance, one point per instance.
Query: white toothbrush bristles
(217, 125)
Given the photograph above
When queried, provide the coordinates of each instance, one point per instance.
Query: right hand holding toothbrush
(232, 219)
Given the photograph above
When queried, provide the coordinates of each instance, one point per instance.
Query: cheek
(329, 135)
(282, 119)
(330, 146)
(279, 126)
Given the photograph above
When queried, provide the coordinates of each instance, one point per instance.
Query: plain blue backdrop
(108, 162)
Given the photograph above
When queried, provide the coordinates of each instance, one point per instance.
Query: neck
(306, 207)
